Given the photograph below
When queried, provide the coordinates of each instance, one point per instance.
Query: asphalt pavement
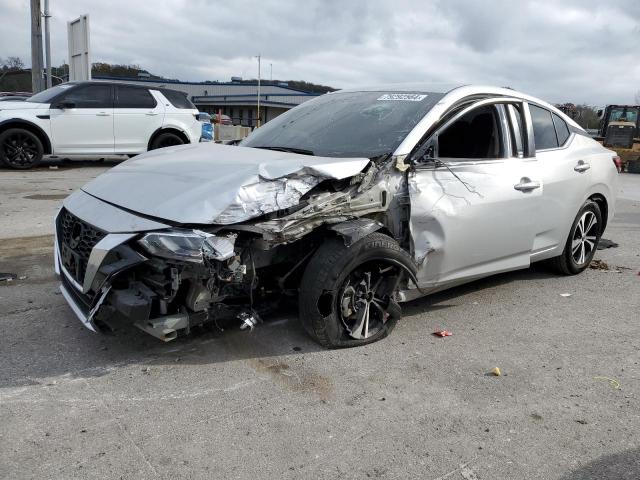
(272, 404)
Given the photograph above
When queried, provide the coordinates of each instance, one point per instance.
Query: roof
(179, 82)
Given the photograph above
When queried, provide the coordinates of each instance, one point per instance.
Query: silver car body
(467, 218)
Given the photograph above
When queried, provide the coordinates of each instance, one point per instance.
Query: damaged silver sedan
(351, 204)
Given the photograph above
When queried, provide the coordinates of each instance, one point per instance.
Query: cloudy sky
(583, 51)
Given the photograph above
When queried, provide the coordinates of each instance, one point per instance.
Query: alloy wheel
(19, 150)
(366, 299)
(584, 237)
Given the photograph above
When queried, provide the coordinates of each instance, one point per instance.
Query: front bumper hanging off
(77, 296)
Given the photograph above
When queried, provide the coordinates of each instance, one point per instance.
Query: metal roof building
(237, 100)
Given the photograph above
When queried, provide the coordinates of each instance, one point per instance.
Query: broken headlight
(187, 245)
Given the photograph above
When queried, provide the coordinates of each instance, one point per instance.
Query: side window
(544, 132)
(133, 97)
(178, 99)
(562, 131)
(89, 96)
(477, 134)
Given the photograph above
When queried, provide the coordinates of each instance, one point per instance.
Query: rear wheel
(582, 243)
(20, 149)
(166, 139)
(348, 294)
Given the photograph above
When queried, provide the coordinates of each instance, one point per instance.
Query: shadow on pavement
(619, 466)
(49, 341)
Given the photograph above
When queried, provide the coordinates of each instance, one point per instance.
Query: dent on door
(474, 223)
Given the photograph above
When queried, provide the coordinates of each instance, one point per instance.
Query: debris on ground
(612, 381)
(565, 295)
(7, 277)
(604, 266)
(599, 265)
(53, 167)
(442, 333)
(605, 243)
(496, 372)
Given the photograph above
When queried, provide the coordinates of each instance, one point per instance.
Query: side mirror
(65, 105)
(599, 113)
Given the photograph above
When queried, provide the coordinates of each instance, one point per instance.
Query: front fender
(353, 230)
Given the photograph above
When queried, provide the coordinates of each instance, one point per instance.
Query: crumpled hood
(208, 183)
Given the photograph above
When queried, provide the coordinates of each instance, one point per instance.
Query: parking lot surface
(272, 404)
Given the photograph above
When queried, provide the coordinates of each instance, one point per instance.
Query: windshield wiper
(301, 151)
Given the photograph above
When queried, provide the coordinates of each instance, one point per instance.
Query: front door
(475, 206)
(82, 120)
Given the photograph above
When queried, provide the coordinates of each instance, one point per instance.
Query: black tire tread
(324, 268)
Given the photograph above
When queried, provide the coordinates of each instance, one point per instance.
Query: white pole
(47, 42)
(271, 71)
(258, 121)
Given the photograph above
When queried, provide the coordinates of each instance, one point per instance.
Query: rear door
(137, 115)
(566, 173)
(475, 208)
(82, 120)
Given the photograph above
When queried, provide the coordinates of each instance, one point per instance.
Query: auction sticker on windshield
(403, 97)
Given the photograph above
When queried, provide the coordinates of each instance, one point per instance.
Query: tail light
(617, 161)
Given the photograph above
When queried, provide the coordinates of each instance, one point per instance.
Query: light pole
(271, 72)
(37, 82)
(47, 42)
(258, 121)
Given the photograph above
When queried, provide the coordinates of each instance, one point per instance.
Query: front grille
(76, 239)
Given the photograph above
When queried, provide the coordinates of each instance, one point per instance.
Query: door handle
(152, 114)
(582, 166)
(102, 114)
(526, 185)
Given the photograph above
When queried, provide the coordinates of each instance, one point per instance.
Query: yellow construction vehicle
(620, 131)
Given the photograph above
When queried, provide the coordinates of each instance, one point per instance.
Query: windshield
(346, 124)
(47, 95)
(625, 114)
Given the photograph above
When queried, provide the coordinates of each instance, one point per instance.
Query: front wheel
(582, 243)
(348, 294)
(20, 149)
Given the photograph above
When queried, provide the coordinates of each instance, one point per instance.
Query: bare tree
(12, 64)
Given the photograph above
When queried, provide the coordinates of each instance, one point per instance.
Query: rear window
(178, 99)
(543, 130)
(134, 97)
(562, 131)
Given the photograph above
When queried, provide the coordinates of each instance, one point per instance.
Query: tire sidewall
(36, 161)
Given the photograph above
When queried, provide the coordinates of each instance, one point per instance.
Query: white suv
(101, 118)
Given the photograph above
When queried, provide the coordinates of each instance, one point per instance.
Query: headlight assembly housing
(187, 245)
